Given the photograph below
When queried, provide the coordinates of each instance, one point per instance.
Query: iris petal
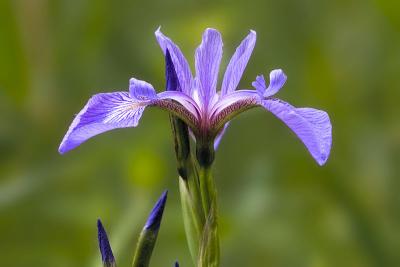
(187, 102)
(208, 58)
(180, 63)
(312, 126)
(238, 63)
(102, 113)
(141, 90)
(277, 80)
(232, 99)
(228, 106)
(259, 84)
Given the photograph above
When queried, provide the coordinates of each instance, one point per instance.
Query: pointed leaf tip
(154, 219)
(104, 245)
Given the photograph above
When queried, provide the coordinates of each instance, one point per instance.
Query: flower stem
(209, 253)
(206, 188)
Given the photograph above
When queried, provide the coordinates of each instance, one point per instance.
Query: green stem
(209, 248)
(206, 188)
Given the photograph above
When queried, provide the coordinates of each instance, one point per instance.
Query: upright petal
(180, 63)
(312, 126)
(259, 84)
(238, 63)
(171, 79)
(141, 90)
(102, 113)
(277, 80)
(208, 58)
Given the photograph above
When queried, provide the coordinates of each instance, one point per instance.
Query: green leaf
(193, 227)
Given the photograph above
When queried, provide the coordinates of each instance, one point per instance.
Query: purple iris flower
(196, 101)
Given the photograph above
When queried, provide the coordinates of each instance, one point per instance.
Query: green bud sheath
(144, 249)
(148, 236)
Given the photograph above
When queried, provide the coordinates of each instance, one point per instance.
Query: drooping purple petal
(107, 256)
(238, 63)
(154, 219)
(277, 80)
(102, 113)
(208, 58)
(312, 126)
(180, 63)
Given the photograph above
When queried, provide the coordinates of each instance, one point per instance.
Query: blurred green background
(277, 207)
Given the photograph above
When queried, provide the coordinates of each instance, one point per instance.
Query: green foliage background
(278, 208)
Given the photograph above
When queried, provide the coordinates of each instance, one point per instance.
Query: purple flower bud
(104, 246)
(176, 264)
(172, 83)
(154, 219)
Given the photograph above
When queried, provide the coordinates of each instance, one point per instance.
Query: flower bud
(104, 246)
(148, 236)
